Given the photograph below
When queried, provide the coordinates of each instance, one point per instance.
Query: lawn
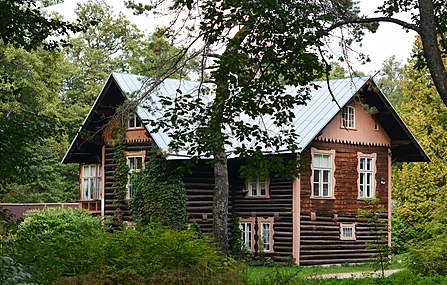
(262, 274)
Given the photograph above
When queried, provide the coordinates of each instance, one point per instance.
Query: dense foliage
(160, 196)
(45, 94)
(63, 246)
(419, 188)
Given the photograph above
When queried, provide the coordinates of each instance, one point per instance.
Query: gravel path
(356, 274)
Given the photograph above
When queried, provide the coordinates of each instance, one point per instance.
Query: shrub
(69, 246)
(430, 257)
(56, 242)
(159, 255)
(12, 273)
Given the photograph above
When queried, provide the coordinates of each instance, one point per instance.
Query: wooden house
(348, 152)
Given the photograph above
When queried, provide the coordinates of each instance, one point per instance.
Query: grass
(256, 273)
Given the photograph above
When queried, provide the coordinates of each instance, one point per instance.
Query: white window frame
(266, 236)
(133, 122)
(347, 231)
(348, 117)
(367, 175)
(318, 174)
(132, 171)
(91, 186)
(247, 235)
(256, 186)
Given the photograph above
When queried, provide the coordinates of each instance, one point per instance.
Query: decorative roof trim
(327, 140)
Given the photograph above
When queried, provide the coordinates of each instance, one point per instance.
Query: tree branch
(375, 20)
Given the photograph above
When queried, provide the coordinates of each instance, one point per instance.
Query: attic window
(133, 122)
(348, 117)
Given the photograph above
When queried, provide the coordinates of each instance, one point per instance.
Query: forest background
(52, 91)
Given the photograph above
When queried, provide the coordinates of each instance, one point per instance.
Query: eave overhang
(404, 146)
(87, 144)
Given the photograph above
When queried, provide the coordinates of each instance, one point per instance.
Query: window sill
(268, 251)
(322, 198)
(365, 198)
(349, 129)
(257, 197)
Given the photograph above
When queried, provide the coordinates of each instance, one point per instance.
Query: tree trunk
(220, 201)
(432, 53)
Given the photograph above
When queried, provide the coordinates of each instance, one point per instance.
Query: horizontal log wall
(320, 237)
(278, 205)
(199, 186)
(109, 169)
(320, 241)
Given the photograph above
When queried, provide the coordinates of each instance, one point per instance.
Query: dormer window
(133, 122)
(348, 117)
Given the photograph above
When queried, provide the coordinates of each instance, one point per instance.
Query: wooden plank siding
(320, 219)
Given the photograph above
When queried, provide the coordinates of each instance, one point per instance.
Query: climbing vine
(118, 141)
(235, 240)
(160, 196)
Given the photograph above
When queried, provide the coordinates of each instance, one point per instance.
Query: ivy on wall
(235, 240)
(118, 141)
(160, 196)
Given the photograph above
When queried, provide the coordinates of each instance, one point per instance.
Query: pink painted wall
(364, 132)
(18, 210)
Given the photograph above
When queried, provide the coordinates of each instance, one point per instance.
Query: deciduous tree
(251, 51)
(264, 44)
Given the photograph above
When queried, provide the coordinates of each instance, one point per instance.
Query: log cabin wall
(320, 240)
(109, 178)
(277, 206)
(199, 186)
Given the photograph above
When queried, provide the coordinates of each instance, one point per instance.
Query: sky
(389, 40)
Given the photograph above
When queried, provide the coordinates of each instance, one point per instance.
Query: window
(264, 232)
(347, 232)
(135, 164)
(348, 117)
(322, 175)
(91, 182)
(246, 235)
(265, 236)
(133, 122)
(376, 127)
(257, 187)
(366, 175)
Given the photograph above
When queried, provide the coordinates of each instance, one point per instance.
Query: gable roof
(310, 119)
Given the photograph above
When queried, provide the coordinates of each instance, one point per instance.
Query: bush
(56, 242)
(12, 273)
(430, 257)
(159, 255)
(69, 246)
